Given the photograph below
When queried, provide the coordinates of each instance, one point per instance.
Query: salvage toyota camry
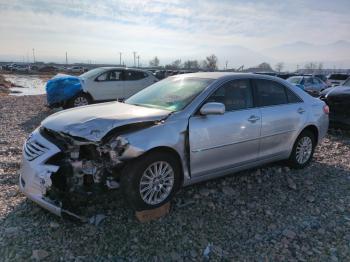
(179, 131)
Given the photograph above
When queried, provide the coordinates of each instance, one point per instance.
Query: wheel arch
(313, 129)
(172, 152)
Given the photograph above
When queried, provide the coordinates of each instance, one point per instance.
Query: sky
(97, 31)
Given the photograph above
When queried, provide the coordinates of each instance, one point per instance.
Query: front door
(219, 142)
(109, 86)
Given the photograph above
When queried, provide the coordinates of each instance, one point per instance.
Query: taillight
(326, 109)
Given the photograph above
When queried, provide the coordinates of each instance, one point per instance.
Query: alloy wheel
(303, 150)
(156, 183)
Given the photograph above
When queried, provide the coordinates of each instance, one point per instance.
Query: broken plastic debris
(207, 251)
(97, 219)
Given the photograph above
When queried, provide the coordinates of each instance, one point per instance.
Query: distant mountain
(237, 56)
(298, 52)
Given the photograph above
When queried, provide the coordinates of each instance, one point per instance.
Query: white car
(76, 69)
(111, 83)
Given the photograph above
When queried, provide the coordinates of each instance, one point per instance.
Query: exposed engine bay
(85, 168)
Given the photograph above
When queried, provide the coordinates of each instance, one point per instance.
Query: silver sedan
(179, 131)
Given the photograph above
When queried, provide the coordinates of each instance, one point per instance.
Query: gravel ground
(267, 214)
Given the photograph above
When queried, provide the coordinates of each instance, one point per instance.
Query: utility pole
(138, 61)
(134, 58)
(66, 58)
(33, 55)
(120, 58)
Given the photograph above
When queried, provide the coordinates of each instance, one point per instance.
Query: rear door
(135, 81)
(283, 114)
(219, 142)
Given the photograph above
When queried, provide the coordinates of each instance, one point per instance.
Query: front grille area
(33, 149)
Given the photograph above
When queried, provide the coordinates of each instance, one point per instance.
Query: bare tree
(265, 66)
(210, 63)
(154, 62)
(310, 66)
(320, 66)
(279, 66)
(191, 64)
(176, 64)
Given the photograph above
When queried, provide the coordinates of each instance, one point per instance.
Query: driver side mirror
(212, 108)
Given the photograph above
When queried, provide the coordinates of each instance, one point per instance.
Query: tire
(303, 150)
(138, 170)
(81, 99)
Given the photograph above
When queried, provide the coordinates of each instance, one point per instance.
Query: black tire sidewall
(132, 173)
(292, 160)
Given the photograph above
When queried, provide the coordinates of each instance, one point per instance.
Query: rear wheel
(81, 99)
(303, 150)
(151, 180)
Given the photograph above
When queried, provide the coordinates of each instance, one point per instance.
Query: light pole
(33, 55)
(134, 58)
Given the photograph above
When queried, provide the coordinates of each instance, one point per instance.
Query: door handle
(253, 119)
(301, 110)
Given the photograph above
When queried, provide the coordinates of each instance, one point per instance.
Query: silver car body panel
(93, 122)
(207, 146)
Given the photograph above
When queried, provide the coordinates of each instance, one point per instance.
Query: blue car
(312, 85)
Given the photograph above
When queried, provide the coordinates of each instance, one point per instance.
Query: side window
(308, 81)
(269, 93)
(235, 95)
(115, 75)
(102, 77)
(292, 98)
(135, 75)
(316, 81)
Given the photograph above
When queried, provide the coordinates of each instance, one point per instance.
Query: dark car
(338, 100)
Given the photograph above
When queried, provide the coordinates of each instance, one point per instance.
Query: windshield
(294, 80)
(93, 72)
(172, 94)
(347, 82)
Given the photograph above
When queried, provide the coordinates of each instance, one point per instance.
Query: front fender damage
(86, 170)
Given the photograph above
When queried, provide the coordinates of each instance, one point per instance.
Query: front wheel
(151, 180)
(303, 150)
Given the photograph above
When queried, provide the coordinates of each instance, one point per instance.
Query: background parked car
(97, 85)
(310, 84)
(338, 100)
(48, 69)
(337, 79)
(76, 69)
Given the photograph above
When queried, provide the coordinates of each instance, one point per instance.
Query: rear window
(295, 80)
(341, 77)
(135, 75)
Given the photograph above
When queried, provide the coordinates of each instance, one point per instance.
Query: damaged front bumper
(35, 174)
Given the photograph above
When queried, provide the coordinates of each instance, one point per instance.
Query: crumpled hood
(93, 122)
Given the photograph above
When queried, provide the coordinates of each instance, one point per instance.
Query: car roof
(221, 75)
(215, 75)
(121, 68)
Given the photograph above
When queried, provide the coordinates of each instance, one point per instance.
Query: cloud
(98, 30)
